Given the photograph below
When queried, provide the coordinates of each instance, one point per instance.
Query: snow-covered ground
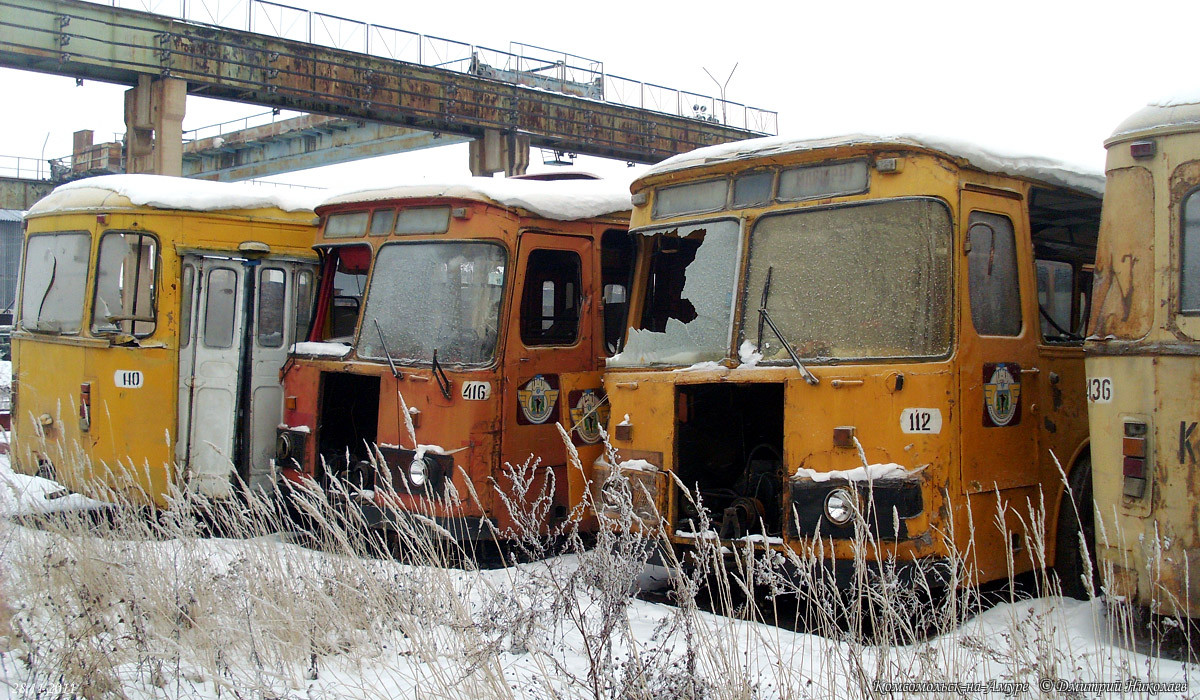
(153, 609)
(181, 616)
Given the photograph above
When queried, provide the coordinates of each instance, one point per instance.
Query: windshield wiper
(388, 355)
(439, 374)
(765, 316)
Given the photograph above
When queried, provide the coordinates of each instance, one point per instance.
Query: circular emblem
(1001, 394)
(586, 417)
(537, 399)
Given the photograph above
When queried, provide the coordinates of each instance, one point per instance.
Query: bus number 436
(1099, 390)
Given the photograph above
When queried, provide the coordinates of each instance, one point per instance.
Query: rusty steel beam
(299, 143)
(85, 40)
(21, 193)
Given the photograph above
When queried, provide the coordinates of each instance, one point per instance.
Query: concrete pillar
(154, 126)
(497, 151)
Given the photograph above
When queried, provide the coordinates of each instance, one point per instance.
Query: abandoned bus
(455, 328)
(1143, 369)
(887, 327)
(154, 316)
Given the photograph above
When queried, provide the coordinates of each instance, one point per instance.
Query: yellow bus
(154, 316)
(888, 327)
(457, 329)
(1143, 368)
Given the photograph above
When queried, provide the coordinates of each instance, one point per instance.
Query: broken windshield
(861, 281)
(56, 272)
(688, 295)
(428, 296)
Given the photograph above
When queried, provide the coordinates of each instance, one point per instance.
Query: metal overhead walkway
(454, 98)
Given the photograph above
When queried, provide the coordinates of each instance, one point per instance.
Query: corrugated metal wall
(10, 259)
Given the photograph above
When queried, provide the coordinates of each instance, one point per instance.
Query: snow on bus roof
(1045, 170)
(562, 200)
(1176, 113)
(164, 192)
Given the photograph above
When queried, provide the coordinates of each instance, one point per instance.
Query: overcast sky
(1047, 78)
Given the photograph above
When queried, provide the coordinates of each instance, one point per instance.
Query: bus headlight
(839, 506)
(289, 447)
(283, 448)
(418, 473)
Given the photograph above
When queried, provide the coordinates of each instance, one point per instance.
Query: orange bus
(858, 329)
(456, 328)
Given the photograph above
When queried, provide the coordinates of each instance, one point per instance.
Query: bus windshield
(434, 296)
(688, 297)
(861, 281)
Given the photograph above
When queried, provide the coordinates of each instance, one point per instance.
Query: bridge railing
(24, 168)
(571, 72)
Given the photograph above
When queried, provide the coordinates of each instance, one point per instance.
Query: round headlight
(283, 448)
(417, 472)
(839, 506)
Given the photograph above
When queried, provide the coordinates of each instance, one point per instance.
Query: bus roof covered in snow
(1045, 170)
(568, 200)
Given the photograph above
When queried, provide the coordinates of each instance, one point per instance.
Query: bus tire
(1069, 564)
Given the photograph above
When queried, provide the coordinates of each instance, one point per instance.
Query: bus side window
(221, 307)
(1189, 255)
(550, 303)
(617, 253)
(992, 275)
(185, 309)
(304, 305)
(1056, 291)
(271, 306)
(125, 284)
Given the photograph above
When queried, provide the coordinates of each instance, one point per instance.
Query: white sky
(1049, 78)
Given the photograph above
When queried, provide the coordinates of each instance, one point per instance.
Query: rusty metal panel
(86, 40)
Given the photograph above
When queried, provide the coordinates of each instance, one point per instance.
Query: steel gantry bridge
(420, 88)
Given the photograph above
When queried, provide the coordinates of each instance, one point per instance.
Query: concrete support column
(500, 152)
(154, 126)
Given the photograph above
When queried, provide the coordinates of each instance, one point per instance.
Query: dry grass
(150, 606)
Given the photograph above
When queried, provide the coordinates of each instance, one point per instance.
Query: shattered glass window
(431, 296)
(992, 275)
(688, 304)
(126, 273)
(863, 281)
(53, 282)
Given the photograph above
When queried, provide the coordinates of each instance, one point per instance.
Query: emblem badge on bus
(1001, 395)
(589, 413)
(538, 398)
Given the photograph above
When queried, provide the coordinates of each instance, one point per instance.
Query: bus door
(237, 323)
(550, 335)
(998, 348)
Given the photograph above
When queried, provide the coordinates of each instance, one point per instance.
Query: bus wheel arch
(1075, 540)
